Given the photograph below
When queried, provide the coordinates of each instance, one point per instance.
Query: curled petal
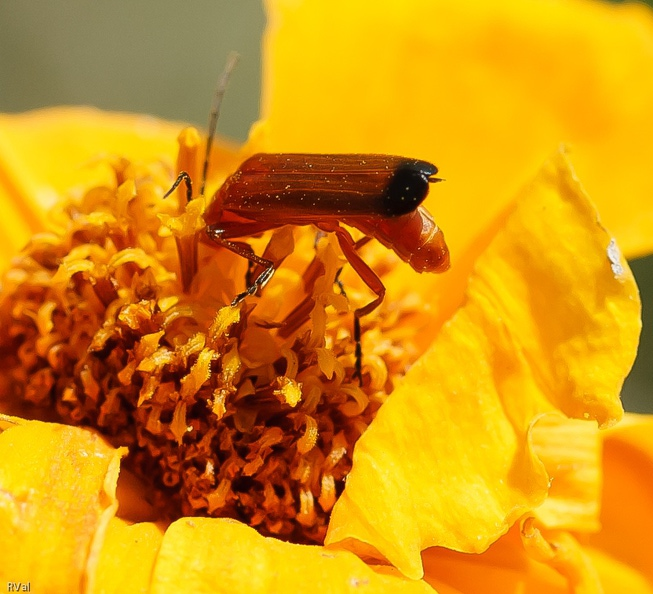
(57, 495)
(447, 461)
(504, 568)
(190, 221)
(563, 553)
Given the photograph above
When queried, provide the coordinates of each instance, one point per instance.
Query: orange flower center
(249, 412)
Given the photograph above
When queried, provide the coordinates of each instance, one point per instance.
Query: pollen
(247, 411)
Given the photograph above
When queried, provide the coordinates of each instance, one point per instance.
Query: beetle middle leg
(215, 234)
(302, 311)
(369, 277)
(359, 244)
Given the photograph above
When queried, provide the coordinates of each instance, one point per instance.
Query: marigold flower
(471, 452)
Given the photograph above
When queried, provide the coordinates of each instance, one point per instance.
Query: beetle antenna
(220, 89)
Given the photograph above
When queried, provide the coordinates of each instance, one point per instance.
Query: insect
(380, 195)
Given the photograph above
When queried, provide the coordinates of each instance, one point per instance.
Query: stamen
(307, 441)
(189, 160)
(225, 410)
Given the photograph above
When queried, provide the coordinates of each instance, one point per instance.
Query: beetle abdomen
(300, 188)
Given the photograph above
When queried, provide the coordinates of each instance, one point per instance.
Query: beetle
(380, 195)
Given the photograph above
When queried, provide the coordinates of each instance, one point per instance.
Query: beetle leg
(300, 314)
(339, 283)
(215, 234)
(186, 246)
(362, 241)
(249, 273)
(278, 248)
(183, 176)
(359, 244)
(369, 277)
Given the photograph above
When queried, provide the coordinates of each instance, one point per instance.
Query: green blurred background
(164, 58)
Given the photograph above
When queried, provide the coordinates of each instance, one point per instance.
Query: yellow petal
(571, 452)
(617, 577)
(562, 552)
(627, 522)
(504, 568)
(57, 494)
(127, 557)
(551, 319)
(485, 90)
(218, 555)
(47, 152)
(565, 287)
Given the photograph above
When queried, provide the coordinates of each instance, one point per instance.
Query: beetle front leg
(182, 177)
(215, 234)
